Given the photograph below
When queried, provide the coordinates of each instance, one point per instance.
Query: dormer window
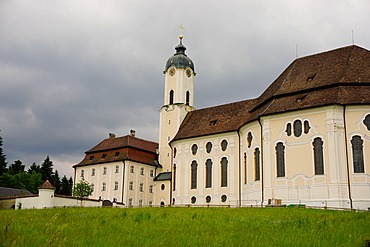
(103, 156)
(212, 122)
(116, 154)
(311, 77)
(91, 157)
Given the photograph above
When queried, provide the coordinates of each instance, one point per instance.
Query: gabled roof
(10, 192)
(340, 76)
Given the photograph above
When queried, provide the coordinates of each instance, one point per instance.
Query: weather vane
(181, 28)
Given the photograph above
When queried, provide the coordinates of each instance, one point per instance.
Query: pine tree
(47, 169)
(66, 187)
(2, 158)
(55, 180)
(16, 167)
(34, 168)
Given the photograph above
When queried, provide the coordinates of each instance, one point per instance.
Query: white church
(304, 141)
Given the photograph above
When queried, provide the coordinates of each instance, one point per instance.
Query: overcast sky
(72, 71)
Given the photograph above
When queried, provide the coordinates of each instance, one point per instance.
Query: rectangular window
(141, 171)
(151, 173)
(117, 169)
(131, 169)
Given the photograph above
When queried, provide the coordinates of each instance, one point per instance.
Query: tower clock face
(188, 72)
(172, 71)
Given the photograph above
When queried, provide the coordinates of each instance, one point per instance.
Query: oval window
(224, 145)
(297, 128)
(194, 149)
(209, 147)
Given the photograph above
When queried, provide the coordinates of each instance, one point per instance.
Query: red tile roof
(119, 149)
(47, 185)
(340, 76)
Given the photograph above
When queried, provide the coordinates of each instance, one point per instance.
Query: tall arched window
(171, 97)
(257, 164)
(224, 163)
(357, 154)
(174, 177)
(116, 185)
(187, 97)
(194, 171)
(280, 159)
(208, 173)
(318, 156)
(104, 186)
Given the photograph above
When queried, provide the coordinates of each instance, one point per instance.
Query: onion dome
(179, 59)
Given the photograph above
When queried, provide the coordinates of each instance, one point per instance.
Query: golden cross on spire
(182, 28)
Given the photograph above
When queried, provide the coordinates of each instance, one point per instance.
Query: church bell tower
(178, 100)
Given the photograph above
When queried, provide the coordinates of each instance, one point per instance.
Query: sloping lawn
(183, 227)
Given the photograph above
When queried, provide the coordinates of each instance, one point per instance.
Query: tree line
(15, 176)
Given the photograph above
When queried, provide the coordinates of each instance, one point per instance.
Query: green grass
(183, 227)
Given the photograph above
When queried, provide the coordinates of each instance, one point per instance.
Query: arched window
(224, 163)
(82, 174)
(130, 202)
(174, 177)
(117, 169)
(92, 187)
(141, 187)
(187, 97)
(257, 164)
(116, 185)
(104, 186)
(318, 156)
(131, 185)
(104, 170)
(208, 173)
(171, 97)
(357, 154)
(245, 168)
(93, 172)
(194, 171)
(140, 203)
(151, 189)
(280, 159)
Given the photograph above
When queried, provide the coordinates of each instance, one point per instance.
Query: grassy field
(183, 227)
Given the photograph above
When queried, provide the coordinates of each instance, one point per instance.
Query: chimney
(111, 136)
(132, 133)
